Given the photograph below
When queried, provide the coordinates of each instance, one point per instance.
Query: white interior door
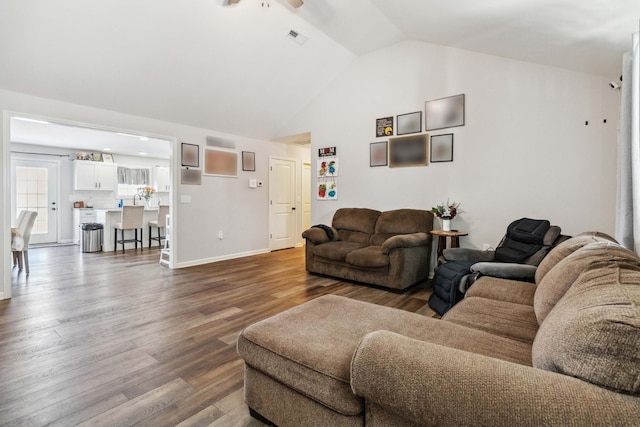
(35, 188)
(306, 196)
(282, 207)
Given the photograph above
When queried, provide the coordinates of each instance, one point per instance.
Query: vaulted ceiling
(233, 68)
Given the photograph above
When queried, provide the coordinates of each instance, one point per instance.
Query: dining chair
(131, 219)
(159, 222)
(20, 242)
(165, 252)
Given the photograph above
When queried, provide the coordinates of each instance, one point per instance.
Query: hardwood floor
(117, 340)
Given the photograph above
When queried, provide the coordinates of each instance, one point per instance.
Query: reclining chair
(517, 256)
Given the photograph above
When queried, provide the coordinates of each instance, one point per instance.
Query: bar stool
(132, 219)
(159, 223)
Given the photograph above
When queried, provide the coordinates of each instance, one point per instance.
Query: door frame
(56, 162)
(5, 185)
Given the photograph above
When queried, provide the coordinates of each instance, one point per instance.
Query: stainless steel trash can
(91, 240)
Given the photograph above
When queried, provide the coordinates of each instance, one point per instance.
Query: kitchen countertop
(120, 209)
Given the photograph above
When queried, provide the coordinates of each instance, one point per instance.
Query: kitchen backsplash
(104, 200)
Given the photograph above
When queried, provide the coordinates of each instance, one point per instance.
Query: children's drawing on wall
(327, 167)
(327, 190)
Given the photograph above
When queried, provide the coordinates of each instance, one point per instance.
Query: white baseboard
(220, 258)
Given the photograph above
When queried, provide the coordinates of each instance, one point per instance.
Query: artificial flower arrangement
(146, 192)
(446, 211)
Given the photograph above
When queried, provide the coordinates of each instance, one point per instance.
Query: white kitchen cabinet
(95, 176)
(161, 180)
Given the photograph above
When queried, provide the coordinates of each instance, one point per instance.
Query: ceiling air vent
(297, 37)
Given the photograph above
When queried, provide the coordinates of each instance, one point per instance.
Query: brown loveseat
(564, 351)
(390, 249)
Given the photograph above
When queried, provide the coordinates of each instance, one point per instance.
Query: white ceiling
(87, 140)
(231, 68)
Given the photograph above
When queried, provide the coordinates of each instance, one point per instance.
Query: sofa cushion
(593, 332)
(505, 319)
(371, 256)
(401, 221)
(336, 251)
(568, 247)
(505, 290)
(560, 278)
(355, 224)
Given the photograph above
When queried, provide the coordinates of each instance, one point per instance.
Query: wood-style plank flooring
(112, 339)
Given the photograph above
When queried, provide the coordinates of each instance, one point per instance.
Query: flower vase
(446, 224)
(147, 203)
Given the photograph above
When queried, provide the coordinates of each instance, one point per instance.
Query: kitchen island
(109, 217)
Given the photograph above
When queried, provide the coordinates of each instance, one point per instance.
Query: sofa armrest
(506, 270)
(468, 255)
(429, 384)
(317, 235)
(406, 241)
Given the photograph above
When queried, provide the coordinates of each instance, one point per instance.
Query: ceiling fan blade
(230, 2)
(296, 3)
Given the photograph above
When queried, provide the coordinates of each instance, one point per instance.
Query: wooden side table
(442, 239)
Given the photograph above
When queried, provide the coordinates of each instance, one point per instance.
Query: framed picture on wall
(444, 112)
(408, 151)
(190, 155)
(220, 162)
(107, 157)
(378, 154)
(384, 126)
(442, 148)
(248, 161)
(409, 123)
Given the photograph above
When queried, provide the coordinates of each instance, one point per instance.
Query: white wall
(524, 150)
(218, 204)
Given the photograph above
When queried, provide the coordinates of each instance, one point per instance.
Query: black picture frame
(444, 113)
(442, 148)
(409, 123)
(410, 150)
(248, 161)
(190, 155)
(384, 126)
(378, 154)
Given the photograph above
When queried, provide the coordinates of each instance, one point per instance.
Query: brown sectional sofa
(390, 249)
(564, 351)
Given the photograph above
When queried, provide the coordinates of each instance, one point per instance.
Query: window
(32, 194)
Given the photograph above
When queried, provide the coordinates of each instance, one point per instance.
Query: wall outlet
(220, 235)
(486, 246)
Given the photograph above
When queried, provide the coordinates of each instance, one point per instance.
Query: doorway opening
(41, 152)
(290, 192)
